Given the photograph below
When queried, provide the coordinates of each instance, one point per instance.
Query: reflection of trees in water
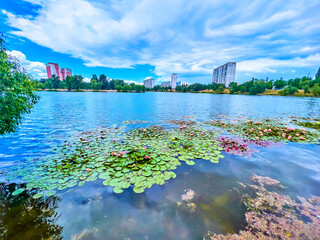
(22, 217)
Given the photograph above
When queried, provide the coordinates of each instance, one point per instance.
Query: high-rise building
(166, 84)
(53, 69)
(149, 83)
(224, 74)
(65, 72)
(174, 81)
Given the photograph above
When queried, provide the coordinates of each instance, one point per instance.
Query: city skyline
(267, 39)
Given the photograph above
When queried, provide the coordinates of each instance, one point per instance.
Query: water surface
(95, 210)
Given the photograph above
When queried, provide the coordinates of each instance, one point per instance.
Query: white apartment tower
(149, 83)
(224, 74)
(174, 81)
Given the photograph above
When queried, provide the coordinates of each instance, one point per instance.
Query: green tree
(233, 87)
(76, 82)
(69, 82)
(220, 89)
(40, 85)
(17, 91)
(55, 81)
(48, 84)
(316, 90)
(279, 84)
(95, 85)
(118, 88)
(127, 88)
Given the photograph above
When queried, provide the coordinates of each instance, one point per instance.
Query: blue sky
(132, 40)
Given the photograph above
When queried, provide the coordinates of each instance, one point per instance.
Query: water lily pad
(189, 162)
(117, 190)
(38, 195)
(50, 193)
(138, 190)
(18, 191)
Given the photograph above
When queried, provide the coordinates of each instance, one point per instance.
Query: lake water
(95, 210)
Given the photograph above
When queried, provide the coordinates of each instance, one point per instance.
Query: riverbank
(300, 93)
(80, 90)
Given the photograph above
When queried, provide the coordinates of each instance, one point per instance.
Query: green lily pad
(38, 195)
(138, 190)
(18, 191)
(117, 190)
(50, 193)
(189, 162)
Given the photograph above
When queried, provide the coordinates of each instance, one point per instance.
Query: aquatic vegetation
(140, 158)
(236, 146)
(271, 215)
(134, 122)
(313, 125)
(187, 200)
(267, 129)
(182, 123)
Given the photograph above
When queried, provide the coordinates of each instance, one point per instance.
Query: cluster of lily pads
(267, 130)
(139, 158)
(142, 157)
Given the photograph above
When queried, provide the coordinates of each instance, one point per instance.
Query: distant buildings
(174, 81)
(53, 69)
(166, 84)
(65, 72)
(149, 83)
(224, 74)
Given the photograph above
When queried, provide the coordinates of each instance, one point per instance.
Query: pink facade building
(53, 69)
(65, 72)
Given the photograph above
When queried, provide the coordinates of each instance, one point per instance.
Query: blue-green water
(155, 213)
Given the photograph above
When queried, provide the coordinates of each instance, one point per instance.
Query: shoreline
(266, 93)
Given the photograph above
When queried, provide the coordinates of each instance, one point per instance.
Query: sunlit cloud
(186, 37)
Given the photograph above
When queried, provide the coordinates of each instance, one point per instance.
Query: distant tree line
(253, 87)
(289, 87)
(76, 83)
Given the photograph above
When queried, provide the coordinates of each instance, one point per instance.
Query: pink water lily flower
(147, 157)
(297, 134)
(270, 130)
(289, 137)
(302, 138)
(283, 135)
(266, 130)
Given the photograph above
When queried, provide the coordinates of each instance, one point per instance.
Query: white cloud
(271, 65)
(131, 81)
(87, 80)
(36, 69)
(182, 36)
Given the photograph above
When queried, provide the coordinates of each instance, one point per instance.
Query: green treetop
(17, 91)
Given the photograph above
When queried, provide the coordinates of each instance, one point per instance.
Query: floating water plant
(267, 130)
(311, 124)
(140, 158)
(271, 215)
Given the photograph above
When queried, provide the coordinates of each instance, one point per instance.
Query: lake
(94, 211)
